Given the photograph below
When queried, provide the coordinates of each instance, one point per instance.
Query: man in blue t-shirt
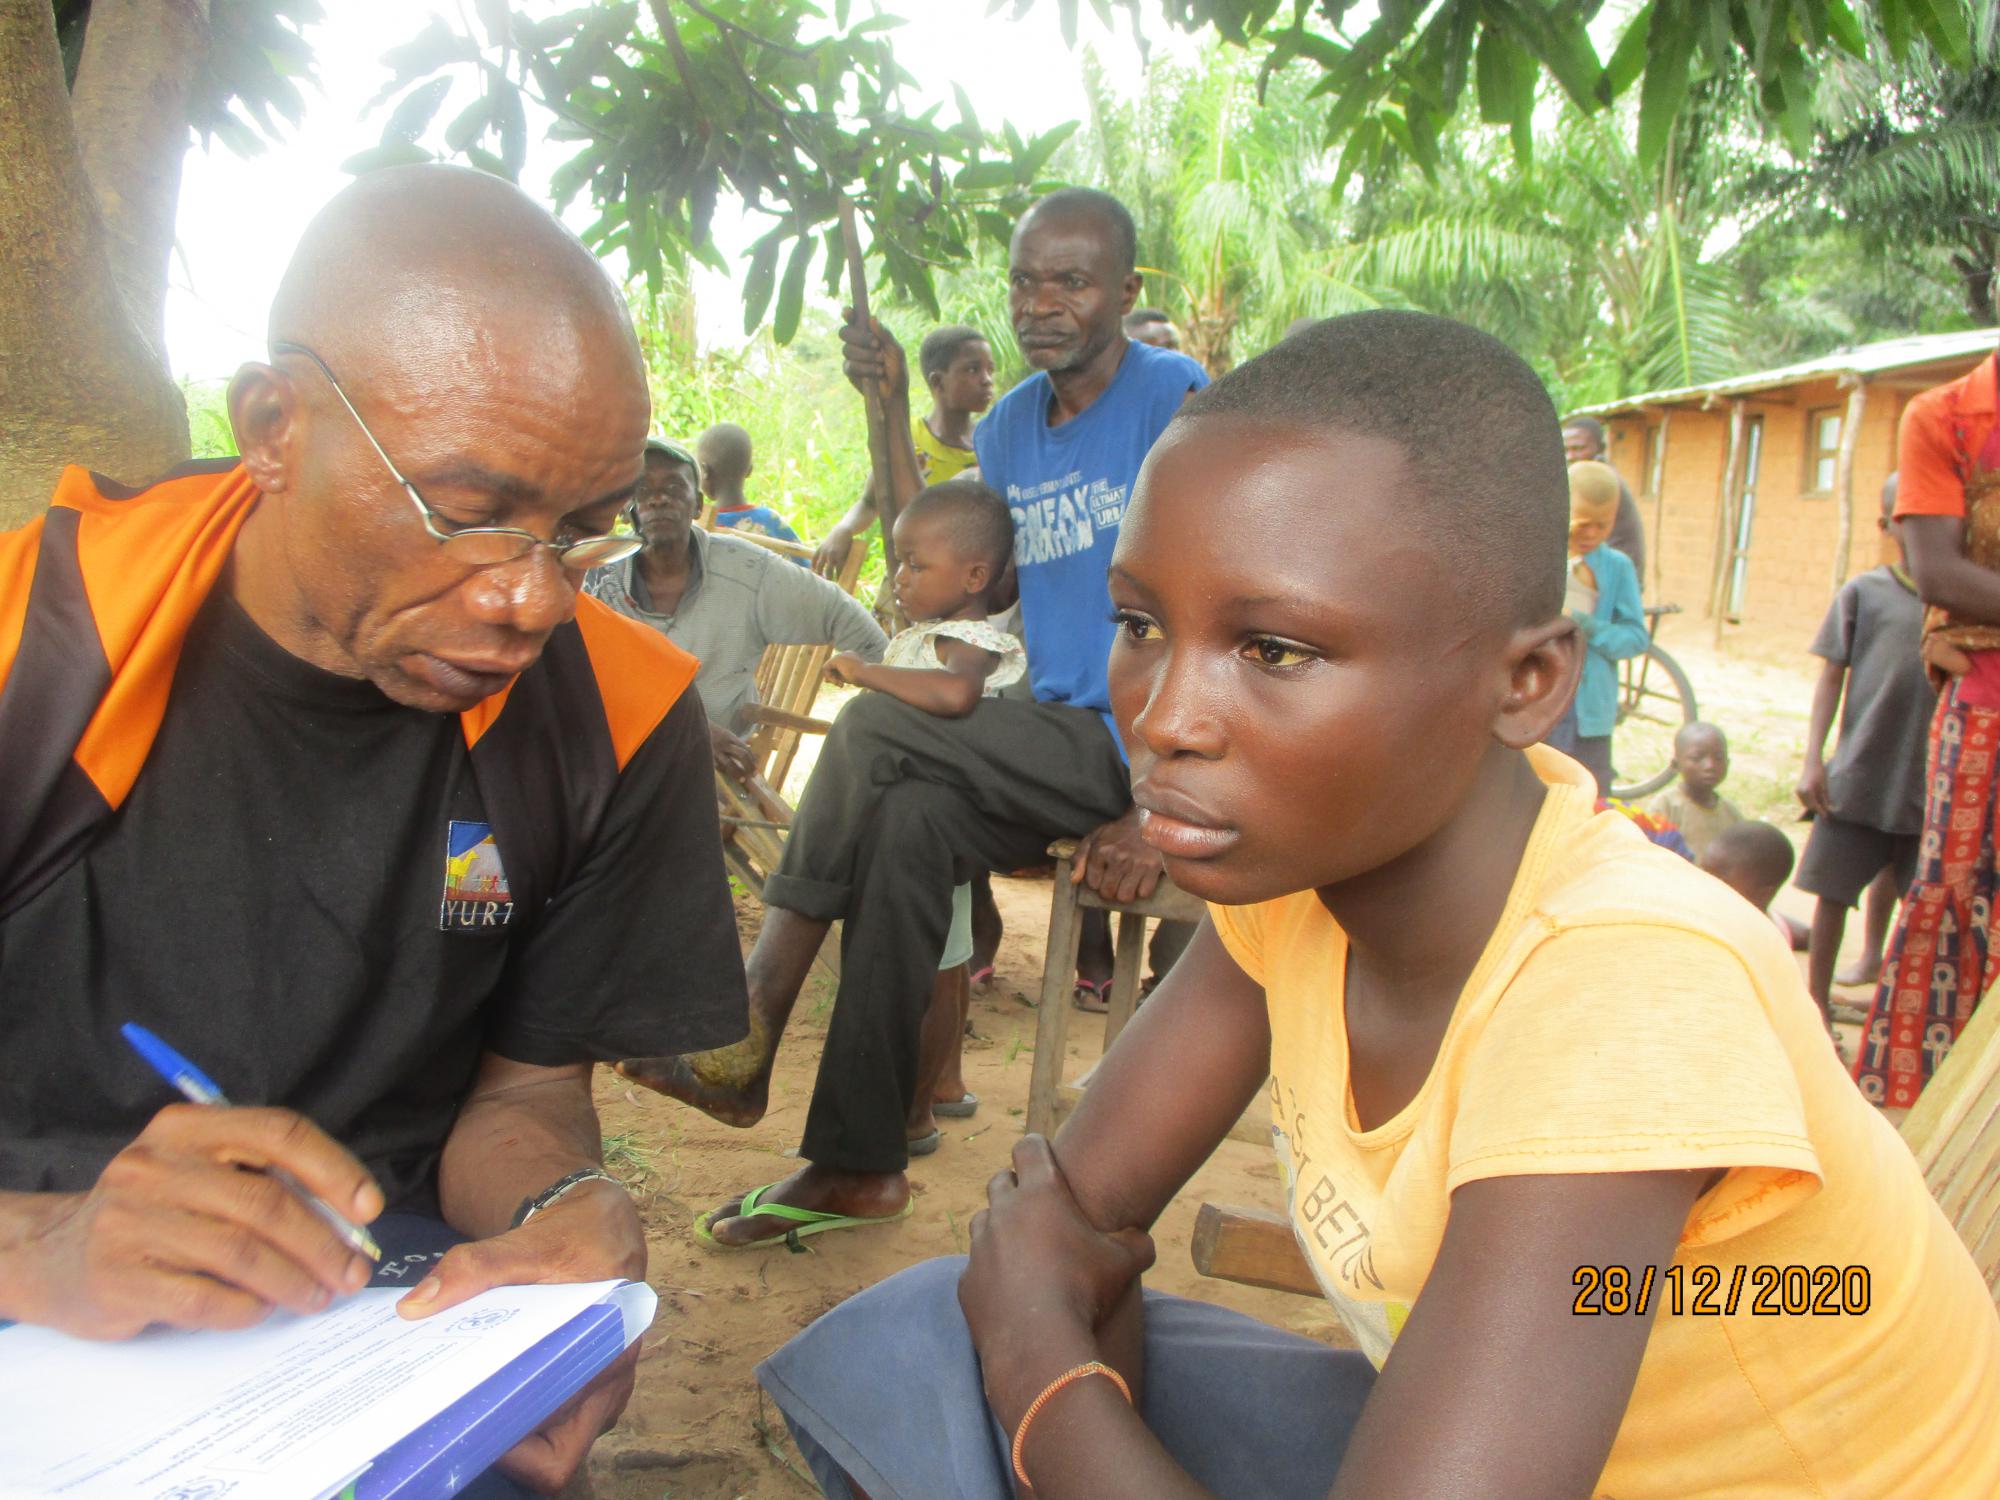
(903, 804)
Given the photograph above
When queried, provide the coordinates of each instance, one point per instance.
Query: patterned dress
(1944, 953)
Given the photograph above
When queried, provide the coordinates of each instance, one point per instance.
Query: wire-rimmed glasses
(480, 546)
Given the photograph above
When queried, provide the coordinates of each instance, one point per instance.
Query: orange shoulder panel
(17, 576)
(640, 673)
(148, 564)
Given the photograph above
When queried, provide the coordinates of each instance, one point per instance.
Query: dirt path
(697, 1430)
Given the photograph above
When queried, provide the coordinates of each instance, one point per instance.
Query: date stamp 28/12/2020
(1710, 1292)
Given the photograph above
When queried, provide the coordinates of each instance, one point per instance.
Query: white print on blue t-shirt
(1049, 526)
(1067, 489)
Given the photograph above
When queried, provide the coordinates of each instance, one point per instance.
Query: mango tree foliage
(668, 104)
(1395, 71)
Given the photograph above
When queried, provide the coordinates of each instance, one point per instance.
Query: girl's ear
(1542, 663)
(978, 577)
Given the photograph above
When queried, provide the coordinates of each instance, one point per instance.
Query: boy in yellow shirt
(1592, 1256)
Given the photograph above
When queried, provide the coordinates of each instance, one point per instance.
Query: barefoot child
(1602, 597)
(1692, 804)
(952, 545)
(1754, 859)
(1453, 971)
(1868, 806)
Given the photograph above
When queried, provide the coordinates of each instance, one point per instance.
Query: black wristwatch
(532, 1206)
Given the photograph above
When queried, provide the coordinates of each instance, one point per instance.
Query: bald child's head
(1593, 506)
(724, 452)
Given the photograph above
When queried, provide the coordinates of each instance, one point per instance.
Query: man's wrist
(563, 1187)
(26, 1222)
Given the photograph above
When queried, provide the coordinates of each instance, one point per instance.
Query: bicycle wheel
(1655, 699)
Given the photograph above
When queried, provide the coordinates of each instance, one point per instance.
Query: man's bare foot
(861, 1195)
(1865, 970)
(731, 1084)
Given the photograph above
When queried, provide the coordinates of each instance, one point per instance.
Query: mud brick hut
(1760, 492)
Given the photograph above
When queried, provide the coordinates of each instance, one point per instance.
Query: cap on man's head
(674, 451)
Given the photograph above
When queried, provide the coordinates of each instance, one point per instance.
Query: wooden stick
(878, 419)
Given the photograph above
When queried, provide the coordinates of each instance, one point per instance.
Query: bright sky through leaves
(240, 218)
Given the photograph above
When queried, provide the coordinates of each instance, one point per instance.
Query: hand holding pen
(176, 1232)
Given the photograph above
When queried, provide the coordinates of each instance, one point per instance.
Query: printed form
(292, 1409)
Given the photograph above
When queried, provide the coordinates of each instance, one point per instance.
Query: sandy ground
(697, 1428)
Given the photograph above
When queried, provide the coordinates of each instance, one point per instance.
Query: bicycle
(1655, 698)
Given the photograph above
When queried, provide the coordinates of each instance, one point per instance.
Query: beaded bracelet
(1094, 1367)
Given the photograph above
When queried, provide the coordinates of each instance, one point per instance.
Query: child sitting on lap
(1528, 1198)
(952, 545)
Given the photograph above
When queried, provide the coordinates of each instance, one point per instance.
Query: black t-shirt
(301, 894)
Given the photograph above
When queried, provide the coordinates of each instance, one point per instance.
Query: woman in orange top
(1943, 955)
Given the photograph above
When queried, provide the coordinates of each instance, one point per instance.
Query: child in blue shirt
(723, 453)
(1603, 599)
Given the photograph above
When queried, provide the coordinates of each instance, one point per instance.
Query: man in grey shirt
(722, 599)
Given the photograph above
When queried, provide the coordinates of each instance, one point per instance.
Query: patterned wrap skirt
(1943, 954)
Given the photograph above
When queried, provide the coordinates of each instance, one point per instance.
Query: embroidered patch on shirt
(475, 883)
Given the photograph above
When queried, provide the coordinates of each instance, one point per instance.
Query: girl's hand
(1041, 1279)
(845, 667)
(1944, 658)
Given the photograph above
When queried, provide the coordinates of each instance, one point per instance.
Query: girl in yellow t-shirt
(1563, 1136)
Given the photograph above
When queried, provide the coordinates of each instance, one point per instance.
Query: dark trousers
(903, 805)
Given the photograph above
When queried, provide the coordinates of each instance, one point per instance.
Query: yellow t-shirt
(1633, 1014)
(938, 460)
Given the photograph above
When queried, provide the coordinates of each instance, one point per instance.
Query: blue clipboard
(465, 1439)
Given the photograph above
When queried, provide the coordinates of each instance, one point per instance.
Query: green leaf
(486, 161)
(436, 46)
(1897, 24)
(791, 293)
(412, 117)
(493, 16)
(1628, 59)
(1947, 30)
(513, 130)
(1665, 88)
(757, 283)
(1844, 28)
(1029, 165)
(389, 154)
(984, 176)
(469, 125)
(965, 110)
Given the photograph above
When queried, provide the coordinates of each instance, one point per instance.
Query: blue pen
(199, 1088)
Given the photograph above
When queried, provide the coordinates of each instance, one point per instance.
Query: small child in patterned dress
(952, 545)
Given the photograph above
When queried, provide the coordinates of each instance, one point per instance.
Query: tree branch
(78, 384)
(130, 107)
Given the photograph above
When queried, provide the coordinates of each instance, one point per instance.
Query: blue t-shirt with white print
(1067, 488)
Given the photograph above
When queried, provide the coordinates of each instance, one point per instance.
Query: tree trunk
(129, 103)
(79, 381)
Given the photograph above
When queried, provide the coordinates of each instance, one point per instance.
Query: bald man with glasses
(317, 765)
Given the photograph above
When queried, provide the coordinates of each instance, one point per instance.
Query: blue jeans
(1251, 1411)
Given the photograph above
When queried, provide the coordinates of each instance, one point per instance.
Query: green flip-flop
(804, 1221)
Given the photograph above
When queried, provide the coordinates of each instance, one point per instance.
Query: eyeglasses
(481, 546)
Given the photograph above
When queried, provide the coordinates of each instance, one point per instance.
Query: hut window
(1822, 449)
